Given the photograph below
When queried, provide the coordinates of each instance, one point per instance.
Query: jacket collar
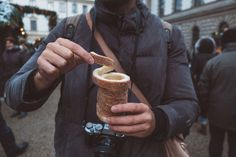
(132, 22)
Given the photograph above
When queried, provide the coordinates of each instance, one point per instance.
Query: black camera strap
(71, 26)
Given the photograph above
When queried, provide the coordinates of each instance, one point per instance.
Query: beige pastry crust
(113, 86)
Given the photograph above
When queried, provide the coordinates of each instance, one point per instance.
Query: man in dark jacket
(139, 42)
(205, 49)
(11, 60)
(217, 89)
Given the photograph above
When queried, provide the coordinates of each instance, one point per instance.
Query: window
(208, 1)
(85, 9)
(186, 4)
(33, 25)
(32, 2)
(165, 7)
(195, 35)
(62, 7)
(50, 5)
(178, 5)
(161, 7)
(74, 8)
(168, 7)
(198, 2)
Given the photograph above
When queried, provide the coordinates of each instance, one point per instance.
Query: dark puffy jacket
(163, 77)
(217, 89)
(12, 60)
(198, 63)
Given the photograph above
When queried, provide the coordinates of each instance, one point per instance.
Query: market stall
(11, 20)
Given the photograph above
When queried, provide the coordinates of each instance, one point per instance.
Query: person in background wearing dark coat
(138, 40)
(12, 59)
(217, 94)
(204, 50)
(7, 138)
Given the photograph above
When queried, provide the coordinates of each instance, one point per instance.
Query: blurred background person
(217, 95)
(13, 57)
(11, 60)
(25, 46)
(204, 50)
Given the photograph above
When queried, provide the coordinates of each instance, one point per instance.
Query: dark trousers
(217, 140)
(7, 138)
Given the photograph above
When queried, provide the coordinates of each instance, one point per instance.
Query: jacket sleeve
(18, 85)
(180, 104)
(204, 88)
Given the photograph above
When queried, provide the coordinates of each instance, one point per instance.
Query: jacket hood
(205, 45)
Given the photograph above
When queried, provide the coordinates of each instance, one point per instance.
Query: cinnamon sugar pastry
(113, 86)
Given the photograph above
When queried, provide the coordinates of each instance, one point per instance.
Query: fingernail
(91, 61)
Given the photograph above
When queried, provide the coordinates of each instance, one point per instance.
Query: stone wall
(207, 18)
(206, 24)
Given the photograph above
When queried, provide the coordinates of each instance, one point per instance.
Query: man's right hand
(58, 58)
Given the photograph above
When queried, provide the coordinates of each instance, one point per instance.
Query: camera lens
(106, 146)
(104, 141)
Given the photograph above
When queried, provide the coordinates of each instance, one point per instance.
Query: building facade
(36, 26)
(197, 18)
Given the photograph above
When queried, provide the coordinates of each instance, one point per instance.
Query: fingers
(77, 49)
(47, 70)
(136, 113)
(139, 122)
(61, 51)
(129, 119)
(63, 63)
(59, 57)
(131, 130)
(130, 107)
(56, 60)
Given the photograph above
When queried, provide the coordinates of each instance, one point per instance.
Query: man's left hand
(139, 120)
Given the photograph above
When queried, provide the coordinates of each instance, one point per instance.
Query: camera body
(104, 141)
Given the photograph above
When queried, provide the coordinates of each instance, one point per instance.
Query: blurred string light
(22, 32)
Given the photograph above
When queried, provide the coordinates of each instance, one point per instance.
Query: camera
(104, 141)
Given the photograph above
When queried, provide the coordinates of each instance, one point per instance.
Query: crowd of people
(217, 96)
(160, 69)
